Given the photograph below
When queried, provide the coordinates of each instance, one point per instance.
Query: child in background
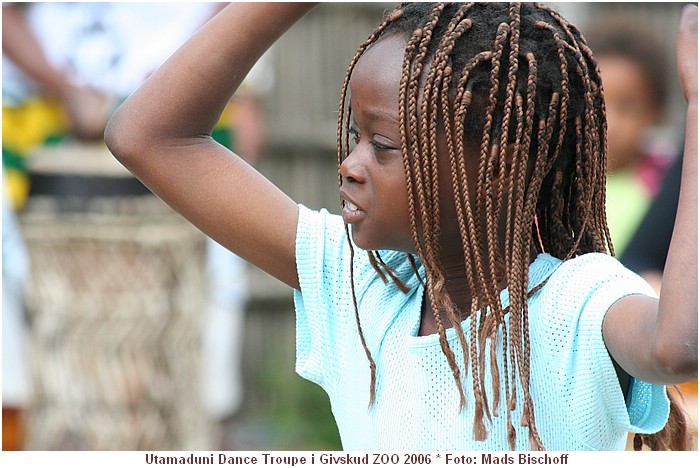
(485, 313)
(635, 74)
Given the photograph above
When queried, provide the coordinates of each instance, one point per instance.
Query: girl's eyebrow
(377, 114)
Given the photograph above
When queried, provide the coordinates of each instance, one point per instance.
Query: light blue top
(577, 397)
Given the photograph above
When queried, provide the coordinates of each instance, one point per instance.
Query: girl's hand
(687, 49)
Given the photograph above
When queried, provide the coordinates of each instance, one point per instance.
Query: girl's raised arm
(162, 134)
(658, 341)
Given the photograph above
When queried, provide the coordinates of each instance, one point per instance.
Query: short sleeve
(322, 256)
(327, 337)
(575, 358)
(648, 407)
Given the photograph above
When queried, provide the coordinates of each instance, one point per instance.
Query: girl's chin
(365, 243)
(362, 243)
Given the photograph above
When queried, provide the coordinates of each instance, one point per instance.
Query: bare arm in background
(85, 107)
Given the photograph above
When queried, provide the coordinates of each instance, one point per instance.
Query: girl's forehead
(382, 62)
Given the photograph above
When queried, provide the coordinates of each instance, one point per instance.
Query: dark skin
(662, 339)
(162, 135)
(374, 177)
(373, 174)
(630, 109)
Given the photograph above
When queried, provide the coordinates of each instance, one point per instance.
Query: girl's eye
(354, 135)
(378, 147)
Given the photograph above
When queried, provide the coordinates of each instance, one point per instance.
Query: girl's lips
(351, 213)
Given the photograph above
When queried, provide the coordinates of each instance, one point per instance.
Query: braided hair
(515, 86)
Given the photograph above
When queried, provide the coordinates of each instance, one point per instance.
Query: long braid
(468, 232)
(515, 86)
(430, 212)
(372, 364)
(521, 146)
(343, 151)
(597, 140)
(515, 193)
(505, 183)
(440, 75)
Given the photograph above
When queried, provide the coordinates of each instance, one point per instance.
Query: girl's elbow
(678, 361)
(115, 136)
(122, 137)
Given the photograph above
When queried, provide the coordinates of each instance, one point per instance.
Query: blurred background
(124, 328)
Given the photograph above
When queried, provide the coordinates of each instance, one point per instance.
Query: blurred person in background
(66, 66)
(41, 99)
(634, 69)
(16, 381)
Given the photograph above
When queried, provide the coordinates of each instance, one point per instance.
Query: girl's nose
(352, 168)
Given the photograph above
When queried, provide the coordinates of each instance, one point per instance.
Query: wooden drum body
(115, 300)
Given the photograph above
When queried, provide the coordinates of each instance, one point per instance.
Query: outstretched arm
(162, 134)
(657, 341)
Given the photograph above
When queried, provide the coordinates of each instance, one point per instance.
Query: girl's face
(374, 186)
(630, 109)
(373, 179)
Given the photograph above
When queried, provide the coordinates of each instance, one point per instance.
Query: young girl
(485, 313)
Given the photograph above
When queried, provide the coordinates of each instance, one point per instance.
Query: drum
(114, 300)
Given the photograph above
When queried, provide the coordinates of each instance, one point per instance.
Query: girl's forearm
(678, 303)
(185, 97)
(676, 341)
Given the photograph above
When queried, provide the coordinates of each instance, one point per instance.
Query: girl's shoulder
(591, 277)
(594, 265)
